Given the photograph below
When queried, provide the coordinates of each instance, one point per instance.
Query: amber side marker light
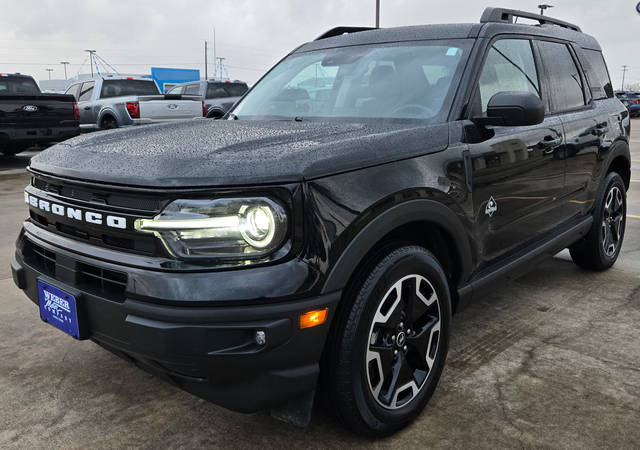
(313, 318)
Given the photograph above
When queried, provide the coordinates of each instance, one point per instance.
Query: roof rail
(343, 30)
(503, 15)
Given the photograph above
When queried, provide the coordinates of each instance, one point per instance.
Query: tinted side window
(509, 66)
(86, 91)
(565, 83)
(192, 89)
(598, 75)
(236, 89)
(215, 90)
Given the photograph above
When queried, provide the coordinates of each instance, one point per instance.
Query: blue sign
(58, 308)
(164, 75)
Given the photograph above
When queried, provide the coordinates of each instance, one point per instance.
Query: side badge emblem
(491, 208)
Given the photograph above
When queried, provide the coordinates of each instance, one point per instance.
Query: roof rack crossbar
(503, 15)
(338, 31)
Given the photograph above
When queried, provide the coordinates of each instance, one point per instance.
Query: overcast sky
(252, 35)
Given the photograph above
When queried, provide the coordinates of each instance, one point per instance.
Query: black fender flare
(619, 148)
(419, 210)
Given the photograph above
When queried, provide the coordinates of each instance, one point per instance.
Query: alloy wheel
(612, 222)
(403, 342)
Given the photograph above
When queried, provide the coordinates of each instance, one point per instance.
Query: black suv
(369, 185)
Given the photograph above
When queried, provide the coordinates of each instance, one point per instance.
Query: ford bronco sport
(371, 184)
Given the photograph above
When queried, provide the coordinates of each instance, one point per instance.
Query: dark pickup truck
(28, 117)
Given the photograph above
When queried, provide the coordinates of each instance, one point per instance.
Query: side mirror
(513, 109)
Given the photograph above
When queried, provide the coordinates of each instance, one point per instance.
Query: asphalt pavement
(551, 360)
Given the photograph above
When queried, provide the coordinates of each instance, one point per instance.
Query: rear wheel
(599, 250)
(108, 123)
(389, 345)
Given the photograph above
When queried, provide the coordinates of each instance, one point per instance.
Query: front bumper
(210, 351)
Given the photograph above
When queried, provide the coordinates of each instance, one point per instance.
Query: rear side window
(126, 88)
(509, 66)
(86, 91)
(565, 82)
(192, 89)
(221, 90)
(598, 75)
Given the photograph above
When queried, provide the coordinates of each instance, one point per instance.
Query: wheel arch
(422, 222)
(620, 161)
(107, 112)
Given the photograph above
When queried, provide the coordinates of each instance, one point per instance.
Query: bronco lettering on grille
(91, 217)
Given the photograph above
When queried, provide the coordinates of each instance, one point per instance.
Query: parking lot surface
(549, 360)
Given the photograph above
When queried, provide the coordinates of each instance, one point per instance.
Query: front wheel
(600, 249)
(390, 342)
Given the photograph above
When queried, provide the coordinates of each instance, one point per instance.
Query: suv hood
(225, 153)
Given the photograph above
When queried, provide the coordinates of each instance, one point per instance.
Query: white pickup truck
(112, 102)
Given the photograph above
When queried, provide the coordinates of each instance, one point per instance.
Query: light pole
(49, 70)
(65, 64)
(543, 7)
(377, 13)
(91, 52)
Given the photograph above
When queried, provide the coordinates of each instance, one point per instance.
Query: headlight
(226, 228)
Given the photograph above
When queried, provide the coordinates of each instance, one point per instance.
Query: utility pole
(91, 52)
(543, 7)
(215, 56)
(49, 70)
(377, 13)
(624, 72)
(65, 64)
(206, 73)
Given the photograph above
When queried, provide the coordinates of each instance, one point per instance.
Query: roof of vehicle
(494, 21)
(18, 75)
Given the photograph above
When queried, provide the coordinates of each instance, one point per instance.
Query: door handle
(87, 108)
(549, 144)
(601, 129)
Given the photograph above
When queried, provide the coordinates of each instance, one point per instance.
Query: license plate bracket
(59, 308)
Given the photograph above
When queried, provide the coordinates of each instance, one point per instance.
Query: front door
(518, 173)
(85, 103)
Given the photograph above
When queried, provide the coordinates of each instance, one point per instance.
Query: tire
(12, 151)
(215, 114)
(371, 340)
(600, 248)
(108, 123)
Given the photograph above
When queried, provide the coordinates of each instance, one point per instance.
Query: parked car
(331, 235)
(631, 100)
(219, 96)
(112, 102)
(29, 117)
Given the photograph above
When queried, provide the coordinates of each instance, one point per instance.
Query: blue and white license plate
(58, 308)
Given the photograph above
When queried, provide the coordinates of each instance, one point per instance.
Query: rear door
(518, 173)
(583, 121)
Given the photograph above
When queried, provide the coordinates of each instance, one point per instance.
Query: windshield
(126, 88)
(18, 86)
(403, 80)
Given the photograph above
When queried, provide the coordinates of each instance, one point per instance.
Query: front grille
(105, 283)
(100, 197)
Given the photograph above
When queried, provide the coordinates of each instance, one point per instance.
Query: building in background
(168, 78)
